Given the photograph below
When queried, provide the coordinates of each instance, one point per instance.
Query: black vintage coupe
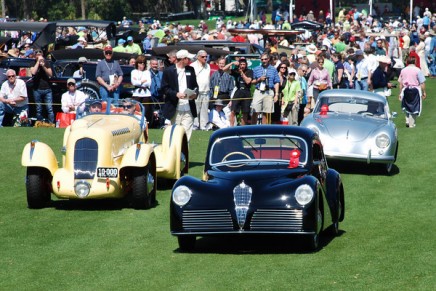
(267, 179)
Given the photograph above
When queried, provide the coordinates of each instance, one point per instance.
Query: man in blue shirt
(109, 75)
(267, 81)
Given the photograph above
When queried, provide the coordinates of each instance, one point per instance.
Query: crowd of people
(359, 51)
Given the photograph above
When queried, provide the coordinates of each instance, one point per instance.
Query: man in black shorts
(242, 98)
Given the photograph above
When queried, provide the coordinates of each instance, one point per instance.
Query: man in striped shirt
(266, 94)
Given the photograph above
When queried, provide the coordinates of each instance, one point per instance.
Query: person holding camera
(242, 99)
(42, 92)
(80, 73)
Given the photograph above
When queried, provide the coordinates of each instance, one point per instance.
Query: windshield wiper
(247, 142)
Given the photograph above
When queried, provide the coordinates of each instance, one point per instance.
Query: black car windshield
(257, 150)
(351, 105)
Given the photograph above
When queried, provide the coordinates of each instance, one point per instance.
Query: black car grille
(277, 220)
(207, 220)
(85, 158)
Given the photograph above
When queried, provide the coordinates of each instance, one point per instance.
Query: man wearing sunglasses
(13, 96)
(109, 75)
(72, 98)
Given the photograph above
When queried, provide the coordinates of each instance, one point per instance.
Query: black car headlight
(304, 194)
(382, 141)
(182, 195)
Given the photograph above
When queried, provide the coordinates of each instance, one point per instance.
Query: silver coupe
(355, 126)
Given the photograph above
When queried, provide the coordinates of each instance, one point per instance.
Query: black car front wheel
(186, 242)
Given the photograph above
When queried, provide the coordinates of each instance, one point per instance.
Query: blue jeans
(361, 85)
(432, 65)
(6, 108)
(45, 96)
(105, 94)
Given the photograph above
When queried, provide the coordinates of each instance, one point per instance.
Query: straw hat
(13, 53)
(311, 49)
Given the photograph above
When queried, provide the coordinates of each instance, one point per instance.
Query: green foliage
(387, 242)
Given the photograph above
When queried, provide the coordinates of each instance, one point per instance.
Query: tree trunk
(83, 8)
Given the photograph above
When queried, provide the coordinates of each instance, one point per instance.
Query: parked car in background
(269, 180)
(355, 126)
(64, 63)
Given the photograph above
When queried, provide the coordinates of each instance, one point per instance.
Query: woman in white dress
(141, 79)
(420, 50)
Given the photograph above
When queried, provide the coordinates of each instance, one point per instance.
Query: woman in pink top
(412, 88)
(319, 78)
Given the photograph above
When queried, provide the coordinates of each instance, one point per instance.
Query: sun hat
(311, 49)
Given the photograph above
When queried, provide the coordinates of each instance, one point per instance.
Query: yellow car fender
(138, 155)
(168, 154)
(39, 154)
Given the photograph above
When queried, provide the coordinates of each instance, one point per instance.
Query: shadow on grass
(259, 244)
(94, 204)
(167, 184)
(359, 168)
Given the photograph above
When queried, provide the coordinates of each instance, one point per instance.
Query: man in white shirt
(72, 98)
(202, 71)
(13, 95)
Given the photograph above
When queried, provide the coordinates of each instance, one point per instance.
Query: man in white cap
(81, 43)
(73, 98)
(379, 79)
(179, 84)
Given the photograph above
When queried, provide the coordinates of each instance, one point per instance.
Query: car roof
(303, 132)
(353, 93)
(90, 54)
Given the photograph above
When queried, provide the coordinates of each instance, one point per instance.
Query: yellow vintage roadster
(105, 154)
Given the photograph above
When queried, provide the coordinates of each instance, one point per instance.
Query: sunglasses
(127, 106)
(107, 53)
(71, 84)
(304, 71)
(283, 67)
(11, 76)
(203, 57)
(264, 59)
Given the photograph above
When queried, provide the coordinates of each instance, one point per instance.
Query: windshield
(351, 105)
(127, 107)
(257, 150)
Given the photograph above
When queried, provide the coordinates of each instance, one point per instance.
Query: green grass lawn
(387, 240)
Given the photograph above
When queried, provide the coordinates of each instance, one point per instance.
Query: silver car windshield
(258, 149)
(351, 105)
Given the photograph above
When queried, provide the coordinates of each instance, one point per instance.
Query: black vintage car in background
(259, 180)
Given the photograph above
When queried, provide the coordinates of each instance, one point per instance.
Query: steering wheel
(235, 153)
(365, 113)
